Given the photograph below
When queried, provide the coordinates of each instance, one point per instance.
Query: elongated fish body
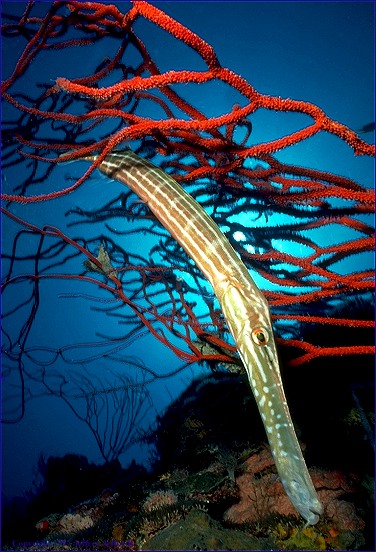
(245, 309)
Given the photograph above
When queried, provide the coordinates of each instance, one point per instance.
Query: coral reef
(200, 532)
(262, 493)
(207, 510)
(84, 516)
(74, 523)
(208, 489)
(295, 538)
(145, 525)
(159, 499)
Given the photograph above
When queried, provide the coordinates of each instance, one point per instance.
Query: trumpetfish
(244, 306)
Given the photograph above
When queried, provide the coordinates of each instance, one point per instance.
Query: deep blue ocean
(320, 52)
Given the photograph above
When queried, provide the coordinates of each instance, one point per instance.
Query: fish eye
(260, 336)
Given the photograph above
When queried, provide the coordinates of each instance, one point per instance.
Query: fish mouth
(304, 497)
(310, 513)
(316, 512)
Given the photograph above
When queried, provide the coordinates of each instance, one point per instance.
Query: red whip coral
(238, 180)
(280, 186)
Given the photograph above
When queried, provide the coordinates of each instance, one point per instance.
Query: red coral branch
(194, 147)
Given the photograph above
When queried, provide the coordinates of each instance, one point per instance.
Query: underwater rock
(72, 479)
(202, 425)
(200, 532)
(212, 487)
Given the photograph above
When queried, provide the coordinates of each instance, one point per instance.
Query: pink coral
(262, 493)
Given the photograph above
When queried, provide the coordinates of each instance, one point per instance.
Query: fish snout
(305, 500)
